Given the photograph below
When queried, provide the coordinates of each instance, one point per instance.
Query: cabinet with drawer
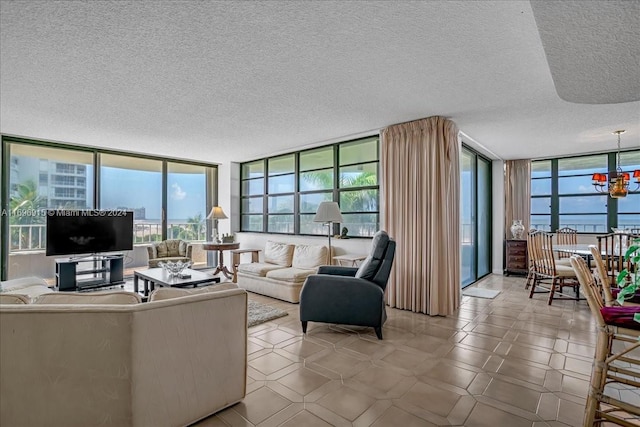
(516, 259)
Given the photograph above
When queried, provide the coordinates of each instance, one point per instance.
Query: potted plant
(633, 256)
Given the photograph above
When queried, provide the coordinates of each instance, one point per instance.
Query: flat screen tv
(71, 232)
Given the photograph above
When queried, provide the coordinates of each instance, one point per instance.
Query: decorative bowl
(174, 268)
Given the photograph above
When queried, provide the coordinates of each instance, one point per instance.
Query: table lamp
(328, 213)
(216, 214)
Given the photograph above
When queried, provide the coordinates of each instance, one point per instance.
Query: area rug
(260, 313)
(480, 293)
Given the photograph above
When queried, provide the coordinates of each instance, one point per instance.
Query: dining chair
(613, 246)
(565, 236)
(616, 360)
(602, 277)
(532, 257)
(549, 277)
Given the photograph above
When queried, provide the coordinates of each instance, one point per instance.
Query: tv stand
(102, 270)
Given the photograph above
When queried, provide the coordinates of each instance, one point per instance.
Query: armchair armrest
(189, 250)
(336, 270)
(235, 255)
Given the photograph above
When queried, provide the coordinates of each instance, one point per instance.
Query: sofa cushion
(169, 293)
(173, 248)
(309, 256)
(291, 274)
(21, 282)
(370, 265)
(278, 253)
(108, 297)
(14, 299)
(258, 268)
(162, 250)
(182, 248)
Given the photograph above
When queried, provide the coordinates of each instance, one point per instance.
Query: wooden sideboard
(516, 259)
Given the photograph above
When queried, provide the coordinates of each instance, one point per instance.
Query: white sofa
(283, 270)
(31, 287)
(167, 362)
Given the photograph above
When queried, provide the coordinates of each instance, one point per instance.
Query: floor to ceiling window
(169, 198)
(475, 215)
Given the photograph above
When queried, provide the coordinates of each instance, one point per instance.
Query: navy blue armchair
(347, 295)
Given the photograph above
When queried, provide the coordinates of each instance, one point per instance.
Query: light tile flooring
(509, 361)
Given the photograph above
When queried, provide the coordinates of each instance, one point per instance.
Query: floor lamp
(328, 213)
(216, 214)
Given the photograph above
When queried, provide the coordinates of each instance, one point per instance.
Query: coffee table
(158, 276)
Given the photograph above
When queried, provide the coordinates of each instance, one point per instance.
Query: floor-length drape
(517, 194)
(420, 189)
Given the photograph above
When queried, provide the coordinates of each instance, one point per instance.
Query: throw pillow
(371, 264)
(182, 248)
(162, 250)
(278, 253)
(173, 247)
(309, 256)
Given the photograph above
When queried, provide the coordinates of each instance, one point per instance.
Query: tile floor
(510, 361)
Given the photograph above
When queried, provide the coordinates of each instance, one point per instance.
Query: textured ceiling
(220, 81)
(601, 51)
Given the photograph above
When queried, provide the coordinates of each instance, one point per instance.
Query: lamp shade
(217, 213)
(328, 212)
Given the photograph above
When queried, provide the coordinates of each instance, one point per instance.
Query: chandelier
(618, 180)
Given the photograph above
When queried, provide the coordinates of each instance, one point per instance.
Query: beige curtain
(517, 194)
(420, 189)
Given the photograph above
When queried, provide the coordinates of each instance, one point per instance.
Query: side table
(349, 260)
(221, 247)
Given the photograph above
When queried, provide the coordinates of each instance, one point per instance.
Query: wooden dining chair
(613, 247)
(603, 281)
(550, 277)
(617, 357)
(531, 276)
(565, 236)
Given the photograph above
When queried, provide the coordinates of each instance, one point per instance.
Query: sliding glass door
(475, 215)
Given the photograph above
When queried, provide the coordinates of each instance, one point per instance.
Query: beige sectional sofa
(106, 359)
(283, 270)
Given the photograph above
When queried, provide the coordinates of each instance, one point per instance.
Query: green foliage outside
(627, 292)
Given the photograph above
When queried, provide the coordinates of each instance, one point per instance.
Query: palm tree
(25, 207)
(194, 228)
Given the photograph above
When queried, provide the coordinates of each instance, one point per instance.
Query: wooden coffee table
(158, 276)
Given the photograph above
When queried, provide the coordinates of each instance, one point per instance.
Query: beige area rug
(259, 313)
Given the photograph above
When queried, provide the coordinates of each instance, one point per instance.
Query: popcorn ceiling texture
(602, 52)
(233, 81)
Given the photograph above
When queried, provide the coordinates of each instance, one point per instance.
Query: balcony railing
(33, 237)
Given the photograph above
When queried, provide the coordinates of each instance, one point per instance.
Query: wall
(497, 188)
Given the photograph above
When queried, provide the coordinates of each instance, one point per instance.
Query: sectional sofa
(107, 359)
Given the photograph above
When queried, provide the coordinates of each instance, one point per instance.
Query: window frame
(335, 191)
(611, 209)
(5, 190)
